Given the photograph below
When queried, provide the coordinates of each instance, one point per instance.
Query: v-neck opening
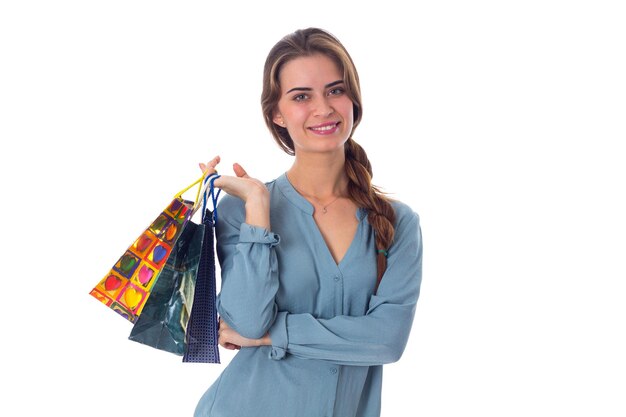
(350, 247)
(328, 251)
(293, 196)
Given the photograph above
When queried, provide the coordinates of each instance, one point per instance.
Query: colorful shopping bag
(180, 317)
(127, 286)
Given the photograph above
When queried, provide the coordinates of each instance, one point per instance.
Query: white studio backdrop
(500, 123)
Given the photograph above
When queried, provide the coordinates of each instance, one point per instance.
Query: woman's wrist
(258, 209)
(265, 340)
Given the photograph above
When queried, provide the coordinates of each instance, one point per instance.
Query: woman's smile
(325, 128)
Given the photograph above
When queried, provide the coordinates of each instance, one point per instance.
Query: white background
(501, 123)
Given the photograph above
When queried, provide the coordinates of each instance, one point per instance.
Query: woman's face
(314, 106)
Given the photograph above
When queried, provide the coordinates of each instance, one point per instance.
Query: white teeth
(329, 127)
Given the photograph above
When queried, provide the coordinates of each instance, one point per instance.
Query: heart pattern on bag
(171, 232)
(126, 287)
(159, 224)
(127, 263)
(145, 275)
(132, 297)
(112, 283)
(143, 243)
(158, 253)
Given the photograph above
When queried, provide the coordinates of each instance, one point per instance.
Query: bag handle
(205, 184)
(209, 188)
(196, 182)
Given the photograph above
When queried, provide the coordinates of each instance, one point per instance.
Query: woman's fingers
(210, 167)
(239, 171)
(223, 337)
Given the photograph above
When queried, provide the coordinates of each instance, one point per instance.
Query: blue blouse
(330, 333)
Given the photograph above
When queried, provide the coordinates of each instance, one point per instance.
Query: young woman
(320, 271)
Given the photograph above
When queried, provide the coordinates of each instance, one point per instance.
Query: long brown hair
(307, 42)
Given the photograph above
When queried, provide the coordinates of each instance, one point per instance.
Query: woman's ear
(278, 119)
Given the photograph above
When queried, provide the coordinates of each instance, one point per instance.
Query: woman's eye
(300, 97)
(337, 91)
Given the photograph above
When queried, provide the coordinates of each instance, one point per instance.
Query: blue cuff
(278, 334)
(257, 234)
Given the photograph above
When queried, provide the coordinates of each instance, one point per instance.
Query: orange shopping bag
(126, 287)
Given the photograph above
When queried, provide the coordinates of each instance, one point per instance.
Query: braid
(380, 213)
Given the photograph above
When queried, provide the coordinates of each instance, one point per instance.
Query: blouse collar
(302, 203)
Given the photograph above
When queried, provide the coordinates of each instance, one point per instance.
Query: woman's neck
(321, 176)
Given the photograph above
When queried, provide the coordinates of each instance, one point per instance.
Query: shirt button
(333, 370)
(336, 279)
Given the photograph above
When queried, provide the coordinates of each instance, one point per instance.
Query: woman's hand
(242, 186)
(252, 191)
(230, 339)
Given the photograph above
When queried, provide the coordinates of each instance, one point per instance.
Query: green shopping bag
(163, 320)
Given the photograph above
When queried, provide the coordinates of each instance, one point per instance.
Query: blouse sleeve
(379, 336)
(249, 271)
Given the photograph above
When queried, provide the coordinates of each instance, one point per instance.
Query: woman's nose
(323, 108)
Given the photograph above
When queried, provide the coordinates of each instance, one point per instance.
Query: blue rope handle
(214, 197)
(211, 190)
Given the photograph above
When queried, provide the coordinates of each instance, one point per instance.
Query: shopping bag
(163, 320)
(201, 335)
(182, 292)
(127, 286)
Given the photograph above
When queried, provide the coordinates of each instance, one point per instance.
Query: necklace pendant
(324, 210)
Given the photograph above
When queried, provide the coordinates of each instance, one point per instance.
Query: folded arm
(377, 337)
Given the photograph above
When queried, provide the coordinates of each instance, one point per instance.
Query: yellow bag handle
(197, 182)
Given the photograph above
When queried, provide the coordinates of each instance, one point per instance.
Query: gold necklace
(324, 211)
(324, 207)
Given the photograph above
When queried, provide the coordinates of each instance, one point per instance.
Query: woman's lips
(325, 128)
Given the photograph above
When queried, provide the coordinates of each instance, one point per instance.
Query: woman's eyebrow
(334, 83)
